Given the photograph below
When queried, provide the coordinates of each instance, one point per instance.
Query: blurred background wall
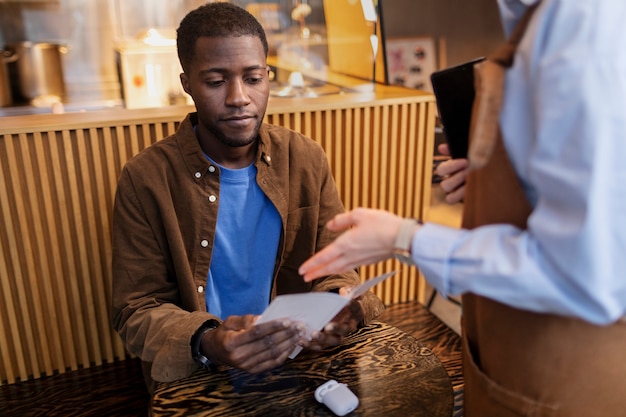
(468, 28)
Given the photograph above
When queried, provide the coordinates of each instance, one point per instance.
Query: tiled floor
(449, 215)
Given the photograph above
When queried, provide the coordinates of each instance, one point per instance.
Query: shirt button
(200, 289)
(211, 168)
(204, 243)
(212, 198)
(198, 174)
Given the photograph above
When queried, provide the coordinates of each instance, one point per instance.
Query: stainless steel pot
(40, 69)
(5, 85)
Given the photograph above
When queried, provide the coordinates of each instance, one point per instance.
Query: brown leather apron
(515, 362)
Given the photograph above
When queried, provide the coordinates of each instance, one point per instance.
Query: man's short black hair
(215, 20)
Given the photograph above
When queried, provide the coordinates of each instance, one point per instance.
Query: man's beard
(234, 143)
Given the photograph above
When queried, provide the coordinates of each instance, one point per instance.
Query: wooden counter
(58, 175)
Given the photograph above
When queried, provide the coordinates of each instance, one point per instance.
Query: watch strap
(405, 235)
(402, 245)
(196, 341)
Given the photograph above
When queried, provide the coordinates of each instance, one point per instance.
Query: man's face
(229, 83)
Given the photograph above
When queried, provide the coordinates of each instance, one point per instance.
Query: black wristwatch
(196, 340)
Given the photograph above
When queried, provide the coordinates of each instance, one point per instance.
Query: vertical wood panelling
(50, 255)
(56, 197)
(38, 289)
(13, 351)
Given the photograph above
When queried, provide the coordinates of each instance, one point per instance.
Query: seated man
(212, 222)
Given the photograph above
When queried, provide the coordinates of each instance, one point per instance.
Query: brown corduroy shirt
(164, 222)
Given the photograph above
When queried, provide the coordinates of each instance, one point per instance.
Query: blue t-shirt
(244, 251)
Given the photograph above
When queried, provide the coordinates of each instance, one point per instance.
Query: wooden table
(417, 320)
(390, 371)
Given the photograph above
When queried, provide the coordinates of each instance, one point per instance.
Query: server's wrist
(404, 240)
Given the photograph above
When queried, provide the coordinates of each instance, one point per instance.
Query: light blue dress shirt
(564, 126)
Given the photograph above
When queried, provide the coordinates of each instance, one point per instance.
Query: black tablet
(454, 90)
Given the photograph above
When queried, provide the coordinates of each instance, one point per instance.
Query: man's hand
(239, 343)
(344, 323)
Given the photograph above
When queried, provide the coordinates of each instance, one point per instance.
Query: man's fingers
(277, 330)
(239, 322)
(270, 351)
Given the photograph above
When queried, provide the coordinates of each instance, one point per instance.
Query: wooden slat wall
(56, 197)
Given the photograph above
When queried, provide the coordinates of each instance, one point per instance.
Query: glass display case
(311, 40)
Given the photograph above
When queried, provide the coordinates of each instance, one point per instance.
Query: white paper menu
(314, 309)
